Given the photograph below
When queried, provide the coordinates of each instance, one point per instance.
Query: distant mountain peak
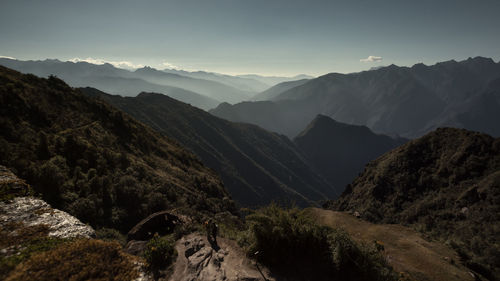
(481, 59)
(419, 65)
(51, 60)
(148, 94)
(146, 69)
(321, 120)
(448, 63)
(322, 123)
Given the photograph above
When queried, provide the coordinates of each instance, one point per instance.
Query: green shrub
(159, 253)
(110, 234)
(291, 243)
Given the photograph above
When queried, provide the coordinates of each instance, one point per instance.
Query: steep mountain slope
(256, 166)
(340, 151)
(479, 112)
(446, 183)
(107, 78)
(94, 161)
(391, 100)
(276, 90)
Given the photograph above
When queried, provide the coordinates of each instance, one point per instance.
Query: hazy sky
(284, 37)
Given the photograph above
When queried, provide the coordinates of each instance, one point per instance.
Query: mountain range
(202, 89)
(256, 166)
(108, 78)
(246, 82)
(242, 83)
(114, 161)
(404, 101)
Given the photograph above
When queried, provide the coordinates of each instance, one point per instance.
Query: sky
(268, 37)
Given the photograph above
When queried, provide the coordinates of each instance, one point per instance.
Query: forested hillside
(93, 160)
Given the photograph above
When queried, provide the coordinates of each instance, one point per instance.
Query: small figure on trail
(212, 229)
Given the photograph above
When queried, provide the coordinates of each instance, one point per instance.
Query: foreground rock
(32, 212)
(199, 260)
(29, 211)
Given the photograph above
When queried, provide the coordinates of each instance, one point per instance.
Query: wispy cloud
(118, 64)
(169, 65)
(6, 57)
(371, 59)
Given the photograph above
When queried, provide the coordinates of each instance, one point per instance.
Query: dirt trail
(404, 248)
(198, 260)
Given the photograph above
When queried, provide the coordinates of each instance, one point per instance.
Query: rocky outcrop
(199, 260)
(32, 211)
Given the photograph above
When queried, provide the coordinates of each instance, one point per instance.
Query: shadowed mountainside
(340, 151)
(256, 166)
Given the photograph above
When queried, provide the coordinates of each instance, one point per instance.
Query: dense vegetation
(446, 184)
(94, 161)
(257, 166)
(290, 243)
(159, 253)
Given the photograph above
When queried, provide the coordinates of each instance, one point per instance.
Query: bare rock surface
(32, 211)
(199, 260)
(136, 248)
